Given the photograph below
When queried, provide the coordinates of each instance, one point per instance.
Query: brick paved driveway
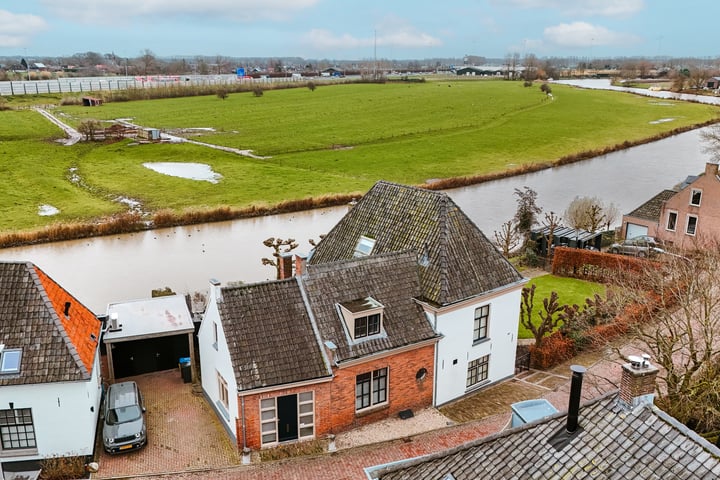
(183, 432)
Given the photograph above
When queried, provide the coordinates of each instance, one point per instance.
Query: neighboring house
(713, 83)
(50, 384)
(686, 217)
(618, 436)
(337, 346)
(470, 293)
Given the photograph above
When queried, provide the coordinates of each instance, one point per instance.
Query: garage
(635, 230)
(144, 336)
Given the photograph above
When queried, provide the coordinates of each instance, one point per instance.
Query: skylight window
(364, 246)
(10, 361)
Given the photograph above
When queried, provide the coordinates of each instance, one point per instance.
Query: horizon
(356, 31)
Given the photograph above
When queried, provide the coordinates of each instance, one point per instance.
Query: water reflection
(124, 267)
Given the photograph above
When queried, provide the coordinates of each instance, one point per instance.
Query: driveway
(184, 433)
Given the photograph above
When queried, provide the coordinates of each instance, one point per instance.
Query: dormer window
(363, 317)
(10, 361)
(364, 246)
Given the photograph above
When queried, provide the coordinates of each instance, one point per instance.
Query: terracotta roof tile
(54, 347)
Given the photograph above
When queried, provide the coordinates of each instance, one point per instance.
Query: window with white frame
(478, 371)
(363, 317)
(695, 197)
(16, 429)
(223, 395)
(692, 221)
(371, 389)
(364, 246)
(480, 328)
(672, 221)
(269, 418)
(10, 360)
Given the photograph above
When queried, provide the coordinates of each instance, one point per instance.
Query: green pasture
(336, 139)
(571, 291)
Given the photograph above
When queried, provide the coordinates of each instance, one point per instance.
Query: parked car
(124, 427)
(641, 246)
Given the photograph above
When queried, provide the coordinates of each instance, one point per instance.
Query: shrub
(258, 91)
(311, 86)
(71, 101)
(63, 468)
(555, 349)
(222, 92)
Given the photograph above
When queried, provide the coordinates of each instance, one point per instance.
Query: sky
(360, 29)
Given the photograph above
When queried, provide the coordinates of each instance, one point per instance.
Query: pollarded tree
(507, 238)
(279, 247)
(549, 318)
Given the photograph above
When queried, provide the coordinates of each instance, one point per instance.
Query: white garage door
(634, 230)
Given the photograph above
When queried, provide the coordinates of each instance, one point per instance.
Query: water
(103, 270)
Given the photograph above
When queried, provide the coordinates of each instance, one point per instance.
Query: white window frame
(6, 356)
(692, 195)
(369, 307)
(269, 419)
(379, 382)
(223, 392)
(687, 225)
(364, 246)
(667, 223)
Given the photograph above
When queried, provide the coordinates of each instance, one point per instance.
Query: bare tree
(279, 247)
(589, 213)
(507, 238)
(527, 211)
(681, 332)
(148, 62)
(551, 223)
(89, 128)
(711, 141)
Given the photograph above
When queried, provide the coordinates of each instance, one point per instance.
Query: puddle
(662, 120)
(47, 210)
(191, 171)
(663, 104)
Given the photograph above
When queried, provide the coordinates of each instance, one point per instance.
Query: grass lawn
(336, 139)
(570, 291)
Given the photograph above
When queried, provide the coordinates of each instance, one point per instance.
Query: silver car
(124, 427)
(642, 246)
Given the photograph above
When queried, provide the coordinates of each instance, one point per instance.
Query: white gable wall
(217, 360)
(65, 415)
(455, 350)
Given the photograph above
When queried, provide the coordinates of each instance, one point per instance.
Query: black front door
(287, 418)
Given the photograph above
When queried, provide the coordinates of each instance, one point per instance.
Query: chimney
(215, 290)
(330, 350)
(637, 383)
(300, 262)
(114, 325)
(575, 393)
(711, 168)
(285, 261)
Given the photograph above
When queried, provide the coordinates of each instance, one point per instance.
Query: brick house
(336, 346)
(470, 292)
(685, 217)
(50, 384)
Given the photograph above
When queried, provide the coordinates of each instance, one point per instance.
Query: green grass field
(571, 291)
(336, 139)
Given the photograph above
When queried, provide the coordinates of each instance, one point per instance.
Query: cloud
(112, 11)
(390, 34)
(18, 28)
(583, 35)
(605, 8)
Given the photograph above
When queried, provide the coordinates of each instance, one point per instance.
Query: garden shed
(565, 237)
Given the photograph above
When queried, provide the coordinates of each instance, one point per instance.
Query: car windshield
(123, 414)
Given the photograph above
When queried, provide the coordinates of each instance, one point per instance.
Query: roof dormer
(363, 317)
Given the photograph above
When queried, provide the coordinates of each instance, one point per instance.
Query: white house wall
(64, 414)
(214, 361)
(455, 350)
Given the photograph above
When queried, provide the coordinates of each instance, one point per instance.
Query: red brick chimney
(711, 168)
(286, 265)
(637, 384)
(300, 262)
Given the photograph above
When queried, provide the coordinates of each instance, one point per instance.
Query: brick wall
(335, 400)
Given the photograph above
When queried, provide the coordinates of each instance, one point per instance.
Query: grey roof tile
(651, 209)
(628, 456)
(460, 261)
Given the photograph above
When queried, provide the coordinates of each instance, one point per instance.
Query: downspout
(435, 374)
(242, 413)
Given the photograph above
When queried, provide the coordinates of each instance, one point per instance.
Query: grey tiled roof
(457, 260)
(391, 279)
(651, 209)
(28, 321)
(641, 444)
(269, 335)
